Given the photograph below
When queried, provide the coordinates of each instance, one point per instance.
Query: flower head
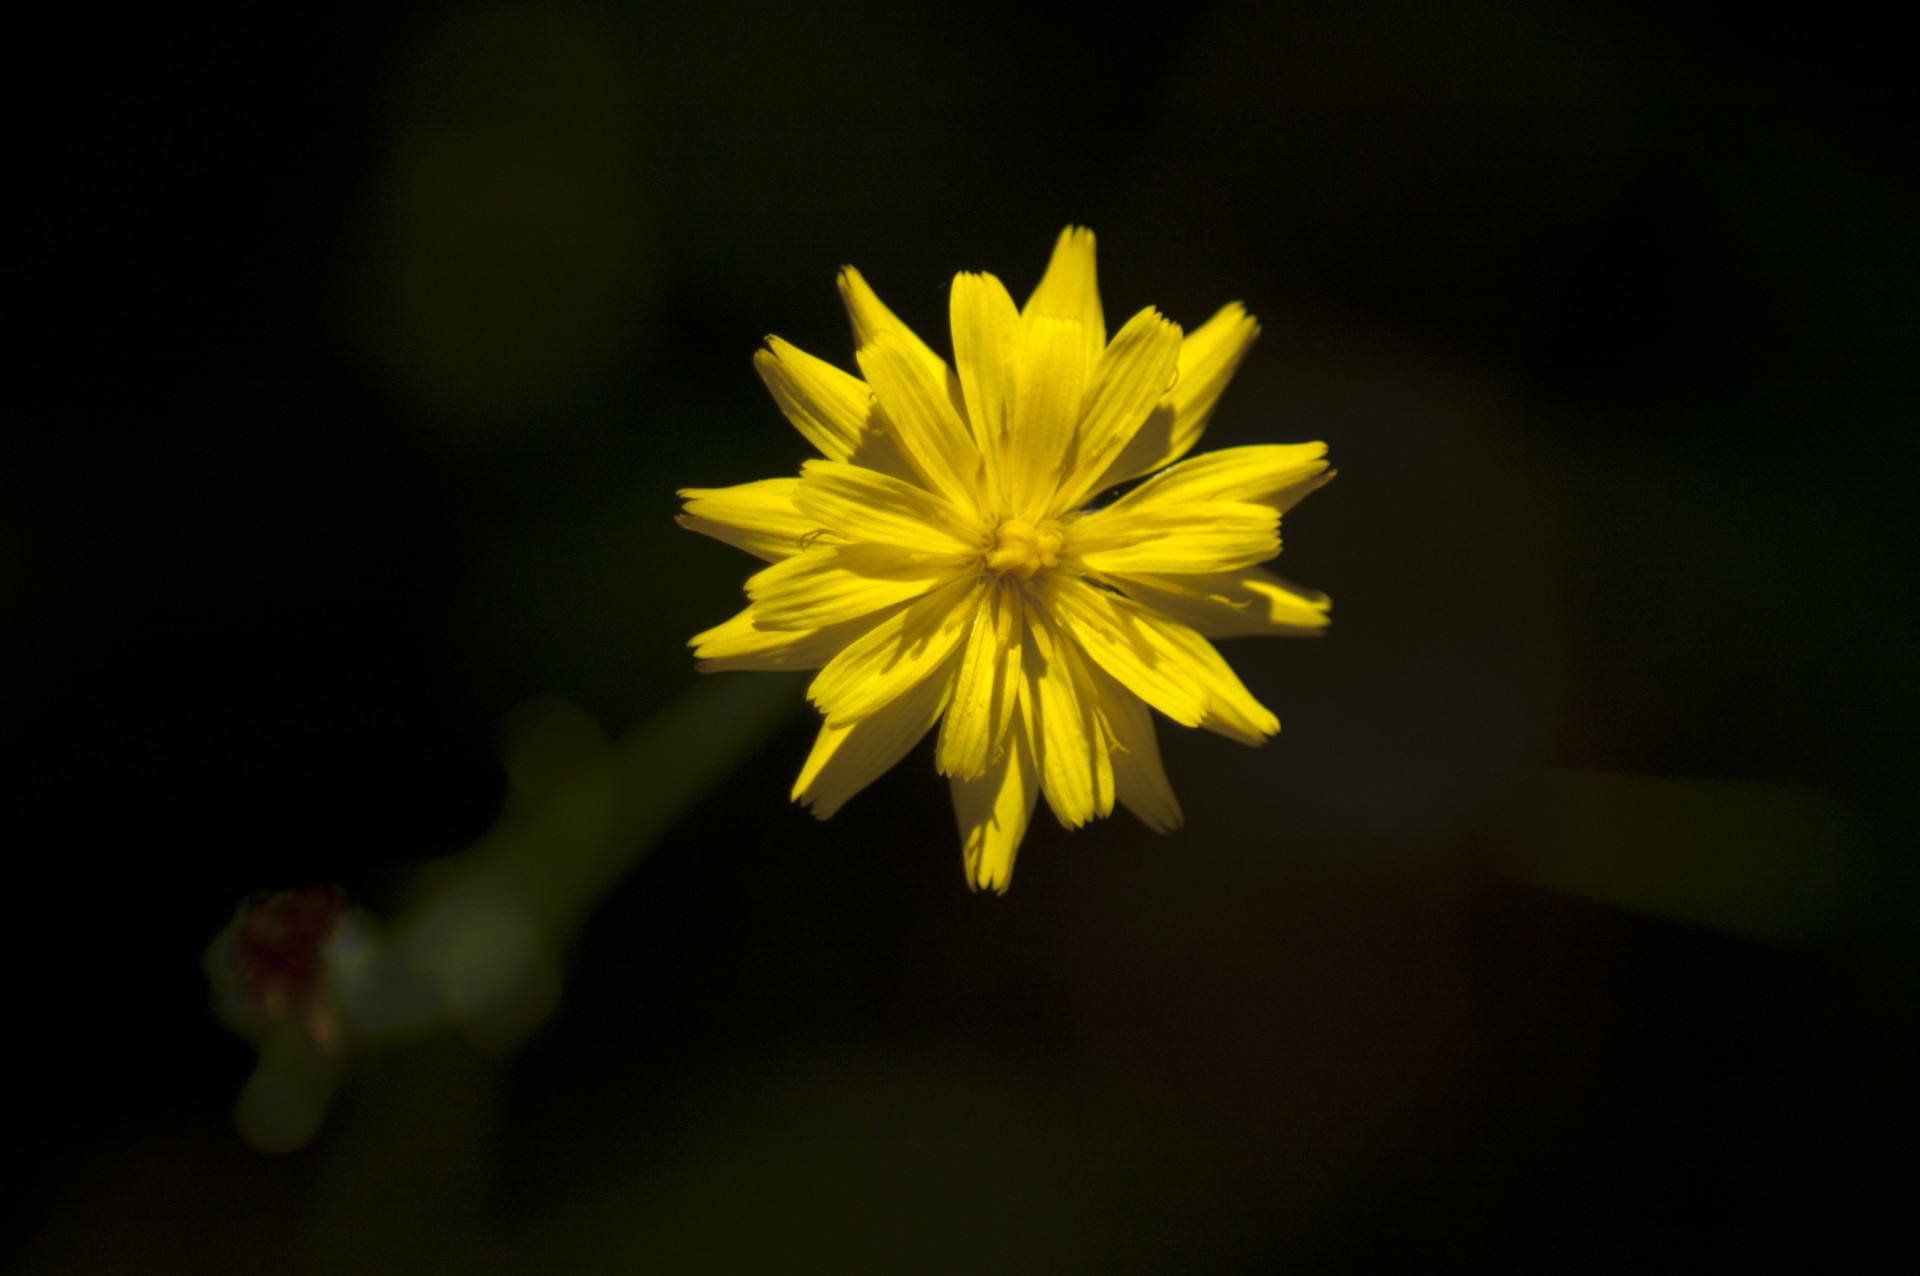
(943, 564)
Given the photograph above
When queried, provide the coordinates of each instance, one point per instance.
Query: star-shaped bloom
(946, 563)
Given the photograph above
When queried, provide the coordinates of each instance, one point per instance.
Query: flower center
(1022, 549)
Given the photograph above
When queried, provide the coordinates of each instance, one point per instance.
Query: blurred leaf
(1755, 860)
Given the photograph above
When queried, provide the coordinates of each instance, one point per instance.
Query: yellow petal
(757, 517)
(1046, 410)
(986, 689)
(739, 643)
(1230, 604)
(985, 346)
(895, 655)
(928, 431)
(1128, 383)
(864, 506)
(1076, 772)
(1195, 536)
(870, 317)
(1231, 709)
(1070, 289)
(1276, 475)
(847, 758)
(993, 812)
(834, 410)
(1208, 357)
(1130, 643)
(838, 583)
(1139, 778)
(826, 405)
(1162, 661)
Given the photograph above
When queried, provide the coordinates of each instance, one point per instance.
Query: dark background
(378, 339)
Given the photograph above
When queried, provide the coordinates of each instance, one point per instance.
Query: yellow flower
(943, 563)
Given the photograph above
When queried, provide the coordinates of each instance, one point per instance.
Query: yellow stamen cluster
(1021, 549)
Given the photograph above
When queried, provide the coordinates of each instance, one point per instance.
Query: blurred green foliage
(1764, 862)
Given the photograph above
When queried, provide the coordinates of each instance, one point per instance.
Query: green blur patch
(1754, 860)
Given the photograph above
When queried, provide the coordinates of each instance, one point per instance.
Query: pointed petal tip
(1152, 316)
(1069, 287)
(978, 881)
(1162, 822)
(810, 802)
(949, 768)
(818, 810)
(1237, 312)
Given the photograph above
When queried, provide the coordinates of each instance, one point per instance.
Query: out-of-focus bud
(272, 964)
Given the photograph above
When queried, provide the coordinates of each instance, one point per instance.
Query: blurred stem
(564, 856)
(480, 949)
